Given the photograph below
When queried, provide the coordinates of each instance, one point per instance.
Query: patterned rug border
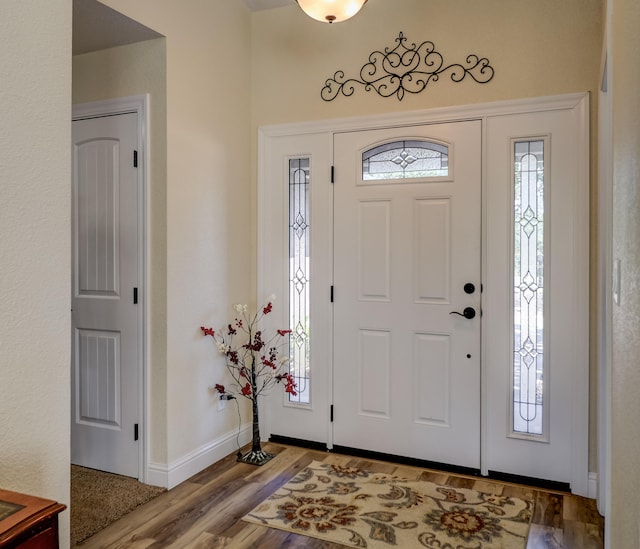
(435, 516)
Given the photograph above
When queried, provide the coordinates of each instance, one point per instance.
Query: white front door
(105, 323)
(407, 236)
(405, 377)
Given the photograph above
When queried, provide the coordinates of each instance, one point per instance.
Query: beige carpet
(98, 499)
(371, 510)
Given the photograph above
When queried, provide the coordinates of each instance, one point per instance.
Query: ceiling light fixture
(331, 11)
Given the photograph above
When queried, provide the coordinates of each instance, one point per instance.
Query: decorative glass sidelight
(405, 160)
(299, 252)
(528, 293)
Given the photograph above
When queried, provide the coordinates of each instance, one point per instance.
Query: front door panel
(406, 366)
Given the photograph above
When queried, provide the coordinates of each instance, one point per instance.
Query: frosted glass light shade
(331, 11)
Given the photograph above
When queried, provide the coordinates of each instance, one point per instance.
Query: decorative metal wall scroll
(406, 68)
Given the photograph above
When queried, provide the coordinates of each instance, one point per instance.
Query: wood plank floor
(206, 510)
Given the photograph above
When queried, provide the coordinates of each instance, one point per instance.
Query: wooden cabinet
(28, 522)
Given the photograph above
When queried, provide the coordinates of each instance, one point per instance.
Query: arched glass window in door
(405, 159)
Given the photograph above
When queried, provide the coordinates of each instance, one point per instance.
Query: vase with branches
(255, 364)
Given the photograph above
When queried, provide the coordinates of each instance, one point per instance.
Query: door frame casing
(138, 104)
(577, 101)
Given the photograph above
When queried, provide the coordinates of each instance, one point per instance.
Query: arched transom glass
(406, 159)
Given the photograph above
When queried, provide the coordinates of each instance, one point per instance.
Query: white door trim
(579, 103)
(605, 289)
(580, 444)
(138, 104)
(443, 114)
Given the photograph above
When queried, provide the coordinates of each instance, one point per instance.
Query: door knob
(469, 288)
(468, 313)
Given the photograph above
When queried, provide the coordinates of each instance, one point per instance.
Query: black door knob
(468, 313)
(469, 288)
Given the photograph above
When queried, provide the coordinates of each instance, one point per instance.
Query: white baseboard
(593, 486)
(169, 476)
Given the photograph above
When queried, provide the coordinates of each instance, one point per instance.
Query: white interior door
(105, 321)
(407, 241)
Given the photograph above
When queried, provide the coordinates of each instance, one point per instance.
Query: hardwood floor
(206, 510)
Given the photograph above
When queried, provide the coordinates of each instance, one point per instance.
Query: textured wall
(624, 523)
(35, 183)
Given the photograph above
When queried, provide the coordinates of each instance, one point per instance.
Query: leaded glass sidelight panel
(299, 176)
(528, 292)
(405, 159)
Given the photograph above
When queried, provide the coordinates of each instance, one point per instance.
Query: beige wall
(120, 72)
(624, 523)
(209, 226)
(537, 48)
(35, 72)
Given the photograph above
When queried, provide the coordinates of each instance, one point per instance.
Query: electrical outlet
(222, 404)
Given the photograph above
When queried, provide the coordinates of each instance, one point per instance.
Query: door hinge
(135, 296)
(135, 159)
(135, 431)
(331, 297)
(331, 413)
(333, 172)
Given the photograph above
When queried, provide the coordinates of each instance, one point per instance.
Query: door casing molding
(579, 103)
(442, 114)
(138, 104)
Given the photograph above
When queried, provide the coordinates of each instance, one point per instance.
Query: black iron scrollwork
(406, 68)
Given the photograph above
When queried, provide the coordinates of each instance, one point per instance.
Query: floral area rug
(358, 508)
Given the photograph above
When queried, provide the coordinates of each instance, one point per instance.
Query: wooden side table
(28, 522)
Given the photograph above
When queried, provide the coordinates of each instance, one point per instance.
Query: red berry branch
(252, 362)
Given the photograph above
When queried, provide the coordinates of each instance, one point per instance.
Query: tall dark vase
(256, 456)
